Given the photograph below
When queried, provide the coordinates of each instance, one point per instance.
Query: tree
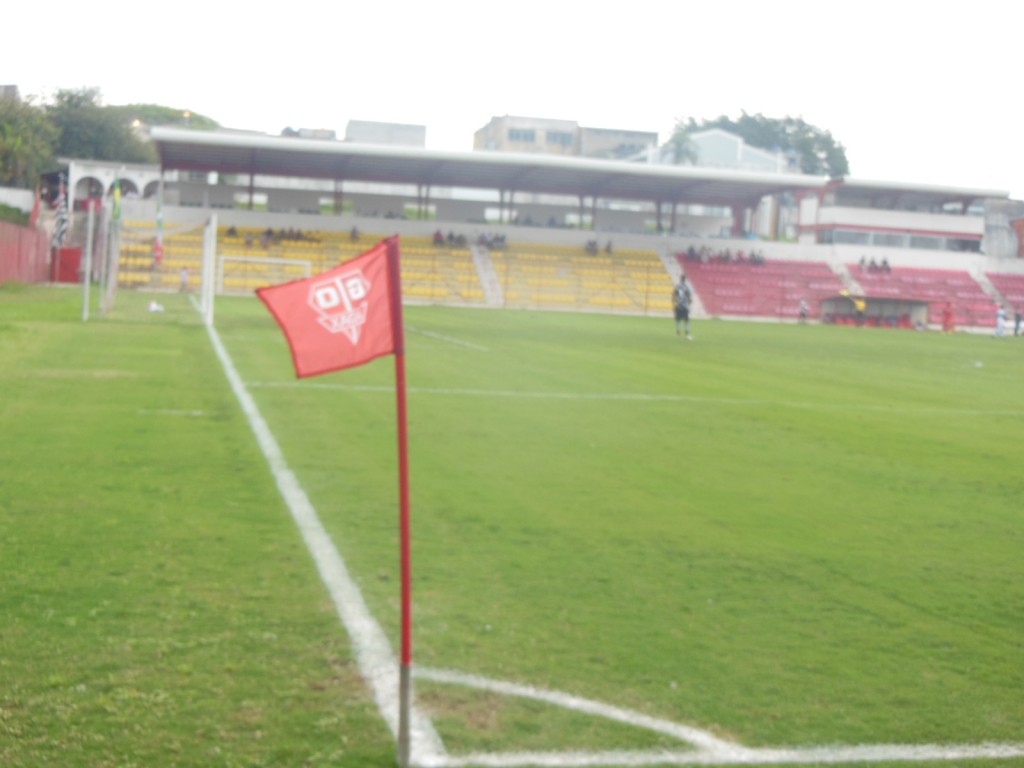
(87, 130)
(680, 148)
(27, 142)
(155, 114)
(816, 150)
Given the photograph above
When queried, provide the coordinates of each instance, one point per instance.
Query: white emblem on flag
(342, 303)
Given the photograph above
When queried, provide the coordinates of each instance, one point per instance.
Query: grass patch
(159, 607)
(811, 531)
(784, 535)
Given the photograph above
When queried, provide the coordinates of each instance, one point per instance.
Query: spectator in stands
(438, 238)
(354, 235)
(608, 247)
(682, 297)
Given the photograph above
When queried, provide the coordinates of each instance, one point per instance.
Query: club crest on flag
(342, 303)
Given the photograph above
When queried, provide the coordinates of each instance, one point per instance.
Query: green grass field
(783, 535)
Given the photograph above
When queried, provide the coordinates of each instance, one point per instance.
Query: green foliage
(154, 114)
(77, 125)
(817, 151)
(27, 143)
(679, 144)
(88, 130)
(13, 215)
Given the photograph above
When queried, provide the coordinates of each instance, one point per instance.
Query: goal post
(184, 257)
(142, 255)
(207, 285)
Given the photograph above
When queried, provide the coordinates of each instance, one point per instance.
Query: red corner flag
(343, 317)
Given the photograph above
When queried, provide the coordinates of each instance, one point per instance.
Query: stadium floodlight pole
(405, 527)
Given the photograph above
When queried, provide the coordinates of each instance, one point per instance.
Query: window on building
(969, 246)
(561, 138)
(929, 243)
(522, 134)
(889, 239)
(850, 238)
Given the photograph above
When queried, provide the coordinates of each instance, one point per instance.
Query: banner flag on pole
(340, 318)
(60, 231)
(116, 212)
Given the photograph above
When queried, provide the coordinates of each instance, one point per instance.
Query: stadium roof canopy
(238, 153)
(896, 195)
(265, 155)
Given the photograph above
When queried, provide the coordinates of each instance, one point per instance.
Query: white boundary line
(811, 755)
(688, 734)
(169, 412)
(449, 339)
(643, 397)
(377, 662)
(710, 750)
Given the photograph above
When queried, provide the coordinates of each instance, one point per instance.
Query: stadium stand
(759, 288)
(971, 305)
(535, 275)
(439, 273)
(257, 258)
(560, 276)
(1010, 287)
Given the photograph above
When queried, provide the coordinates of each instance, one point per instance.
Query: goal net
(145, 255)
(183, 257)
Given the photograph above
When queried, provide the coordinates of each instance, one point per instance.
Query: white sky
(920, 91)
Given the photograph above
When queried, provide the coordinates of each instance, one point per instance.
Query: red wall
(24, 253)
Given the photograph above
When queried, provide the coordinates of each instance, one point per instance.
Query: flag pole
(405, 528)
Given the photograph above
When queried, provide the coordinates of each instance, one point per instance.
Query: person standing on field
(1000, 320)
(682, 297)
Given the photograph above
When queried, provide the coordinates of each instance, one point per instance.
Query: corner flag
(339, 319)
